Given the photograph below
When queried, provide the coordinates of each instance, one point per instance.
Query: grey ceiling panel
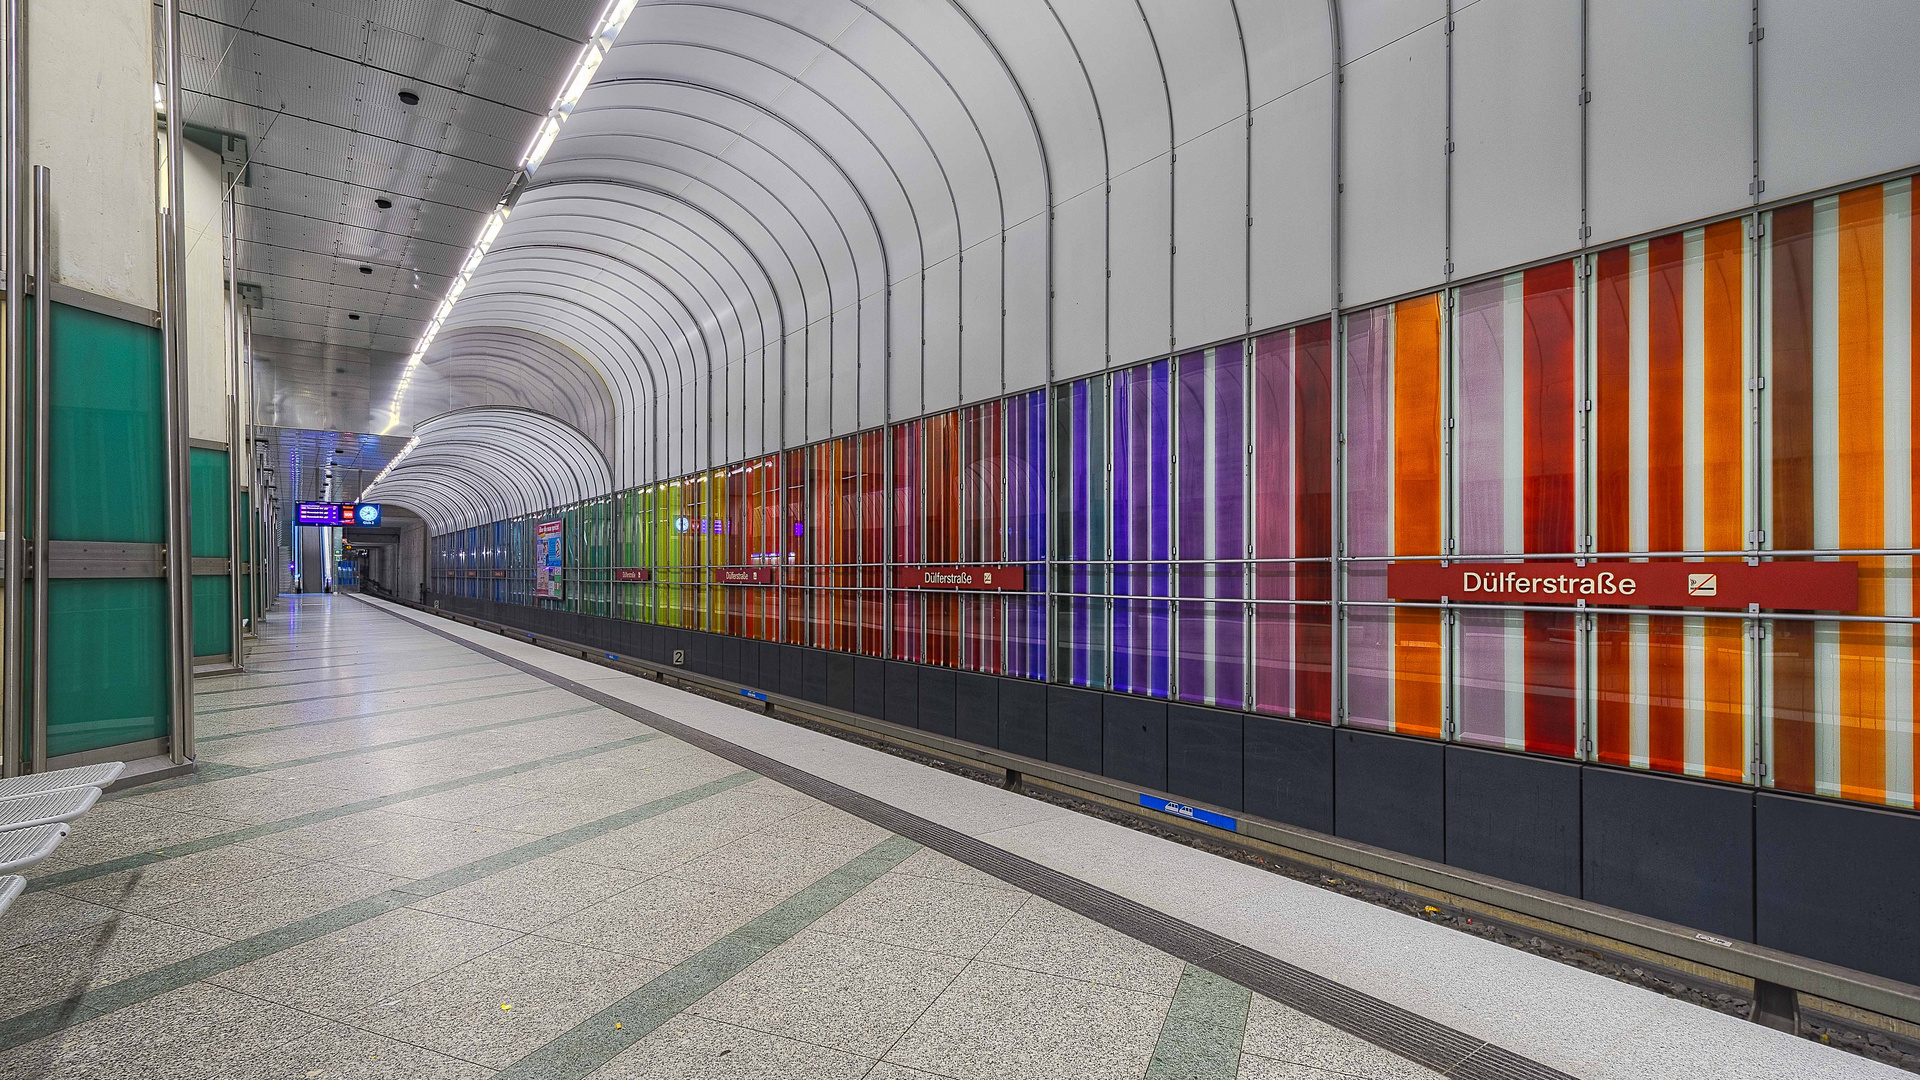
(313, 87)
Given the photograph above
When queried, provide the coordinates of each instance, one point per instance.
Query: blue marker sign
(1194, 813)
(754, 694)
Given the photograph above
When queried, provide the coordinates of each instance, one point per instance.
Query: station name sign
(1737, 586)
(632, 573)
(973, 578)
(748, 575)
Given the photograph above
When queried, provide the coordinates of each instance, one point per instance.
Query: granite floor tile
(693, 1048)
(774, 865)
(1023, 1025)
(665, 918)
(106, 952)
(533, 894)
(653, 846)
(345, 972)
(197, 1032)
(497, 1007)
(848, 993)
(200, 877)
(1048, 938)
(268, 903)
(948, 917)
(1281, 1034)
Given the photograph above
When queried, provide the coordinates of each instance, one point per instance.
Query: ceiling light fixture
(366, 269)
(408, 97)
(384, 204)
(591, 55)
(404, 451)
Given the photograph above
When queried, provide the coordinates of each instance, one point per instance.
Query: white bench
(93, 776)
(11, 887)
(46, 808)
(24, 847)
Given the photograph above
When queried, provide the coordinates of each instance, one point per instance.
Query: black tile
(793, 671)
(1674, 849)
(814, 684)
(770, 680)
(1838, 883)
(903, 694)
(976, 708)
(1134, 741)
(1023, 718)
(1289, 772)
(1515, 817)
(1073, 728)
(870, 687)
(936, 700)
(1390, 791)
(840, 681)
(1204, 754)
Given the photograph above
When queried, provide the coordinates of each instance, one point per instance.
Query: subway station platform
(415, 849)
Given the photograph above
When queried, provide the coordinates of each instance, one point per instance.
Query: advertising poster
(550, 548)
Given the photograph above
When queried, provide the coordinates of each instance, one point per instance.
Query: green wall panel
(107, 667)
(212, 634)
(207, 472)
(107, 655)
(246, 553)
(109, 426)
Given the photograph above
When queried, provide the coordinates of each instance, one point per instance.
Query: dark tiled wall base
(1822, 879)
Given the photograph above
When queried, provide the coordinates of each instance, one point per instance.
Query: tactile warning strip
(1443, 1049)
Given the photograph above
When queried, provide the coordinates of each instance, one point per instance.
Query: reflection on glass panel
(1514, 459)
(1394, 486)
(1080, 537)
(1292, 519)
(907, 517)
(1212, 524)
(1027, 532)
(1840, 473)
(1142, 528)
(1670, 449)
(870, 516)
(983, 534)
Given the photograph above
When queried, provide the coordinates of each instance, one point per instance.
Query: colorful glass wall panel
(1293, 521)
(908, 519)
(1026, 423)
(1844, 284)
(1395, 507)
(1142, 528)
(1671, 473)
(1515, 457)
(1212, 481)
(1080, 520)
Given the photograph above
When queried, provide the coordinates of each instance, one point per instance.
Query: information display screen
(337, 515)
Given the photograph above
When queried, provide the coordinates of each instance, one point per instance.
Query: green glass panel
(108, 446)
(246, 552)
(107, 665)
(212, 633)
(207, 472)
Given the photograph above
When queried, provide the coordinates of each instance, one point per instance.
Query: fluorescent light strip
(575, 85)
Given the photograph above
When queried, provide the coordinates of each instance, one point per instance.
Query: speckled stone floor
(403, 859)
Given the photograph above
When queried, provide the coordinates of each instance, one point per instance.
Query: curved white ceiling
(489, 463)
(771, 221)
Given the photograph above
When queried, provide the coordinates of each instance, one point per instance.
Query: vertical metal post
(12, 221)
(174, 341)
(42, 415)
(236, 437)
(1337, 615)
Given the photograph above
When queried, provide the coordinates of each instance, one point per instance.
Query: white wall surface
(856, 212)
(206, 327)
(90, 120)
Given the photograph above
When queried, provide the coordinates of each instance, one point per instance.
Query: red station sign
(632, 573)
(1786, 586)
(972, 578)
(748, 575)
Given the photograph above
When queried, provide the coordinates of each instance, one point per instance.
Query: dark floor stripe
(1200, 1038)
(346, 694)
(1401, 1031)
(60, 1015)
(301, 725)
(595, 1041)
(253, 832)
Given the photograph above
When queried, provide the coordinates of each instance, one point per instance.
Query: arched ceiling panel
(489, 463)
(766, 221)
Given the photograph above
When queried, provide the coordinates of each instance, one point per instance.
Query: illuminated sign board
(1736, 586)
(973, 578)
(337, 515)
(747, 575)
